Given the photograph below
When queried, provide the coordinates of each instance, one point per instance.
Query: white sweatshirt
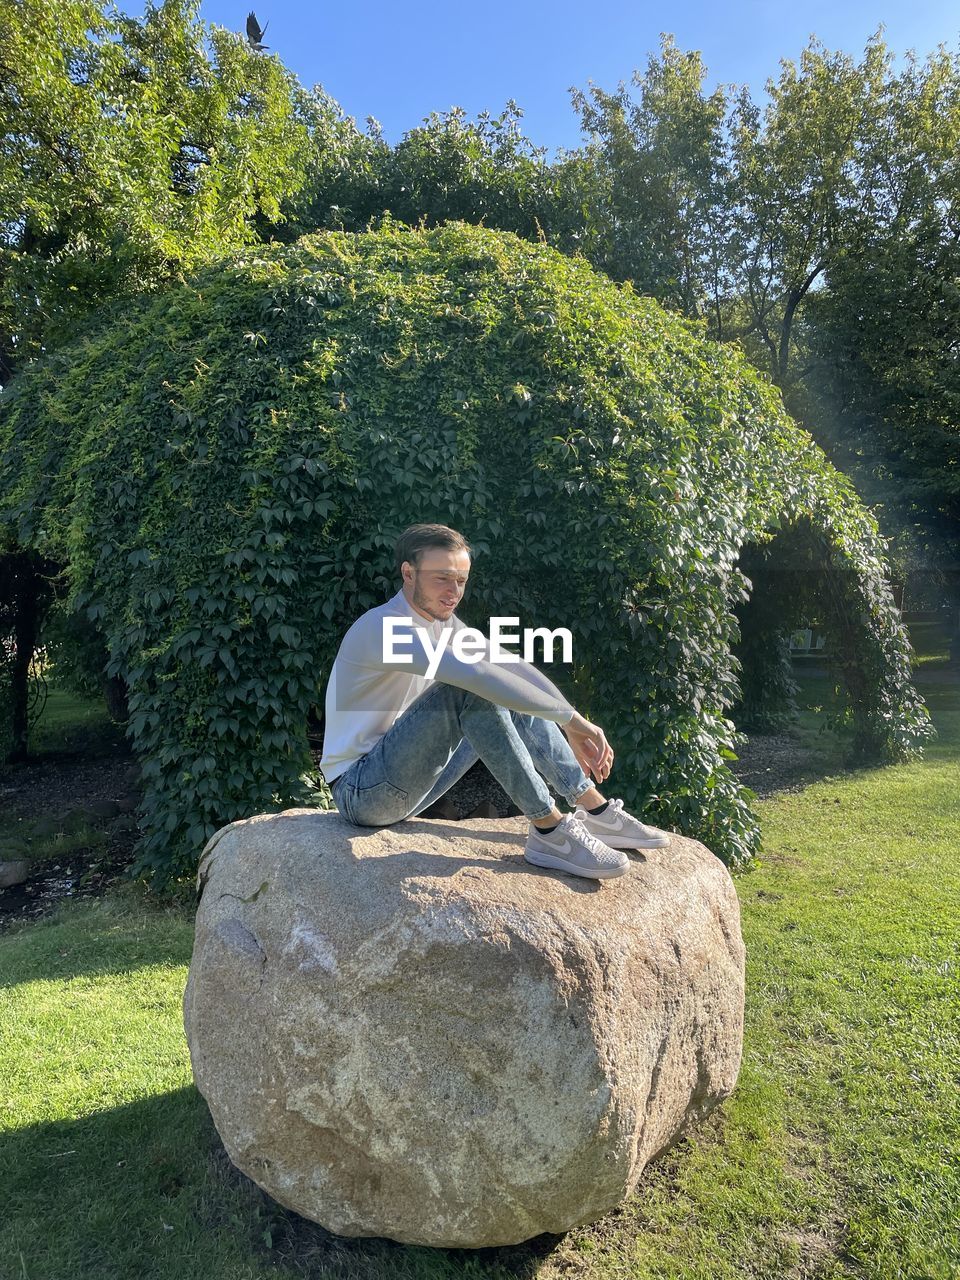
(366, 695)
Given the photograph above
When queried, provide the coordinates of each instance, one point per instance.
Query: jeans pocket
(379, 805)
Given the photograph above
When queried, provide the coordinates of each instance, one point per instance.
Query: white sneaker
(571, 847)
(620, 830)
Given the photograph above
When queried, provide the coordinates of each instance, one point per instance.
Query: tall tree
(659, 203)
(447, 168)
(130, 153)
(885, 335)
(797, 188)
(722, 209)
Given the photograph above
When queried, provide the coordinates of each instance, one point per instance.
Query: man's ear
(406, 571)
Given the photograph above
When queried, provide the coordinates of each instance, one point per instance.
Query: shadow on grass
(89, 939)
(148, 1188)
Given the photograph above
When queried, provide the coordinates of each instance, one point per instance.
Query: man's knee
(475, 704)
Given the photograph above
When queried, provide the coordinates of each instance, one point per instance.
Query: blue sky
(399, 62)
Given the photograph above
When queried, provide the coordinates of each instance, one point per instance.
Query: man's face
(435, 587)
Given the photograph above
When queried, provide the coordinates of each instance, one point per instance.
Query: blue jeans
(434, 743)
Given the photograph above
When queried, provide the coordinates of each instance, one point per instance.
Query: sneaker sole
(558, 864)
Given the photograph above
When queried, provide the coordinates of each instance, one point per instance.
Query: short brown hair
(420, 537)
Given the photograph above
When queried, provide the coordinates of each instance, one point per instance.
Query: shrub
(224, 471)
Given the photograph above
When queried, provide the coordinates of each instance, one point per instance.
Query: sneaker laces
(627, 818)
(592, 842)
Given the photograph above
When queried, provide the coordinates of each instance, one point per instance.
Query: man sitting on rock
(396, 740)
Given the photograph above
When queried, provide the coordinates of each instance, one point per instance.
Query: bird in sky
(254, 33)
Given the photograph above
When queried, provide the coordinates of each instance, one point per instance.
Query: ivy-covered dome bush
(224, 470)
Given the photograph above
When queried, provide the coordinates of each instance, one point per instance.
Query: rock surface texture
(410, 1032)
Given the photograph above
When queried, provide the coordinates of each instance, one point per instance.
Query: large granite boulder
(410, 1032)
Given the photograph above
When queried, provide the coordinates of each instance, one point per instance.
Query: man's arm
(510, 686)
(519, 687)
(525, 670)
(587, 741)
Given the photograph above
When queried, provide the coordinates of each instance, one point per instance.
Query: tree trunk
(794, 298)
(27, 587)
(115, 696)
(26, 622)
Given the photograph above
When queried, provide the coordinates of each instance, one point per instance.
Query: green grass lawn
(68, 723)
(837, 1156)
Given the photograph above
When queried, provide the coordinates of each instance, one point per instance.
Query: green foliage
(796, 188)
(884, 341)
(737, 214)
(226, 468)
(131, 152)
(75, 652)
(655, 209)
(345, 173)
(447, 168)
(881, 388)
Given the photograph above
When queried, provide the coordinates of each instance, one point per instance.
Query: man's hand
(589, 744)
